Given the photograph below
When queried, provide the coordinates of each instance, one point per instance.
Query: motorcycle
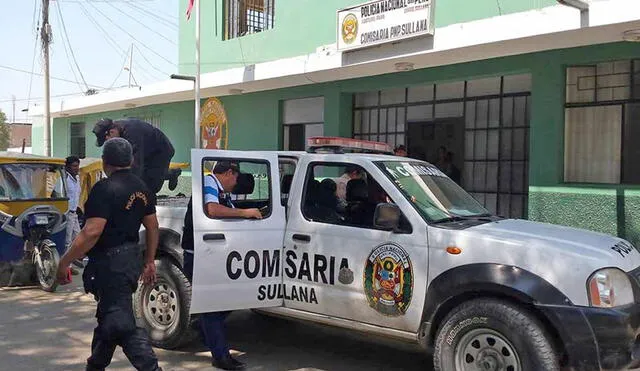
(33, 203)
(37, 229)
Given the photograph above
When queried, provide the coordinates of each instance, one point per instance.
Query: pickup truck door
(237, 262)
(336, 269)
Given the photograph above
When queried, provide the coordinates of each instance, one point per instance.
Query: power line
(106, 35)
(75, 61)
(35, 11)
(157, 13)
(35, 26)
(138, 66)
(66, 52)
(143, 25)
(39, 74)
(167, 22)
(119, 73)
(40, 98)
(102, 1)
(150, 64)
(130, 35)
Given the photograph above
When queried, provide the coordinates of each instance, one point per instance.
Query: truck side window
(253, 188)
(341, 194)
(287, 167)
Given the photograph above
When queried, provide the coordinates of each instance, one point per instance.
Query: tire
(494, 334)
(47, 277)
(168, 324)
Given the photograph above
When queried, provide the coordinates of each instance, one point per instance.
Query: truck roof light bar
(344, 145)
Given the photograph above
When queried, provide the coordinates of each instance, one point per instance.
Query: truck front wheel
(489, 334)
(163, 308)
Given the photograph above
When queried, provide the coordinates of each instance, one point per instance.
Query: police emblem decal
(388, 280)
(345, 276)
(349, 28)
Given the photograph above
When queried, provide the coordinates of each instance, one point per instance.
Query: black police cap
(101, 128)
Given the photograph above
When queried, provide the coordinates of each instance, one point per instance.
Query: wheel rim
(484, 349)
(46, 274)
(161, 307)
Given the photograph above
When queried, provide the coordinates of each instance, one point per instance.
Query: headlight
(609, 287)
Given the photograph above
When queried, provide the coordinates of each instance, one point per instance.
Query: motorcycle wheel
(47, 273)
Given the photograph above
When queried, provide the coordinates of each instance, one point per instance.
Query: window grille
(244, 17)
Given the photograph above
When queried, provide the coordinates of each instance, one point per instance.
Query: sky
(99, 33)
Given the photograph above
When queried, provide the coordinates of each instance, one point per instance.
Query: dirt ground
(44, 331)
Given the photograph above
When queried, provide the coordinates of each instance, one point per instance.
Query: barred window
(152, 118)
(244, 17)
(483, 124)
(602, 118)
(77, 139)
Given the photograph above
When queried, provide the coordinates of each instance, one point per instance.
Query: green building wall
(300, 26)
(176, 120)
(254, 123)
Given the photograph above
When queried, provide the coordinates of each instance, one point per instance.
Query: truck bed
(170, 212)
(173, 201)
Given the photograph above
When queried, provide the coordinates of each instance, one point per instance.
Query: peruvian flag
(189, 9)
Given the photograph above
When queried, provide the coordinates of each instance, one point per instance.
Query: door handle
(302, 237)
(213, 237)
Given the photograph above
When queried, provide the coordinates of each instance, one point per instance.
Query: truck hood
(598, 249)
(564, 257)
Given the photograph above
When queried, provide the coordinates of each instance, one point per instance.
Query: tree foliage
(5, 132)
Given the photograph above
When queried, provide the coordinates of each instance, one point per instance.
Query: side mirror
(387, 217)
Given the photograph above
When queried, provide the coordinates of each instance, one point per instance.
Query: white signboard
(384, 21)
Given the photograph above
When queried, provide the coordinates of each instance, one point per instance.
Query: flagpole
(197, 88)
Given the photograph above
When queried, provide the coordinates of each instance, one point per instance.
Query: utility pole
(130, 64)
(13, 102)
(45, 36)
(197, 87)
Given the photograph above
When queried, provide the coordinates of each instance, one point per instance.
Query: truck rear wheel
(489, 334)
(163, 308)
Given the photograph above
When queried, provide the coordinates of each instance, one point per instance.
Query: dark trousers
(115, 279)
(155, 173)
(212, 325)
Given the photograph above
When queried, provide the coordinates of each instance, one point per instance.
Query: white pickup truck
(400, 251)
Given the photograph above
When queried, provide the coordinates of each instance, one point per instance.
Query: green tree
(5, 133)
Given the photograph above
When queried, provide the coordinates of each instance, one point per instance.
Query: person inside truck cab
(350, 173)
(217, 204)
(362, 199)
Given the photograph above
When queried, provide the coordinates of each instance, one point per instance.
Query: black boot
(227, 363)
(237, 363)
(173, 176)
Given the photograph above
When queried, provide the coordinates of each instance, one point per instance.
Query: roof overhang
(550, 28)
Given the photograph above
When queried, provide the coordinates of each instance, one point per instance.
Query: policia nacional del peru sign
(384, 21)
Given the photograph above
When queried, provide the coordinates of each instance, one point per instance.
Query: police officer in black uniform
(152, 150)
(114, 211)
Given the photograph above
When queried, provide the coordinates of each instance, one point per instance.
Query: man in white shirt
(72, 184)
(350, 173)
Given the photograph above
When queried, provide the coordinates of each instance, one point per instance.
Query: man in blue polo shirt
(217, 205)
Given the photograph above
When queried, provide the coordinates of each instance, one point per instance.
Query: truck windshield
(434, 195)
(31, 181)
